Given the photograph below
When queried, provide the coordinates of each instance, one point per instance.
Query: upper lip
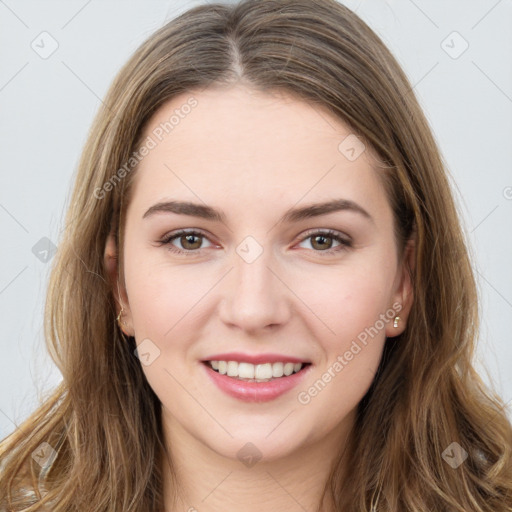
(255, 358)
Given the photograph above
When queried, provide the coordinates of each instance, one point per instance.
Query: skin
(254, 156)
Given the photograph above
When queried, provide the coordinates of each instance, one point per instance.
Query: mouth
(263, 372)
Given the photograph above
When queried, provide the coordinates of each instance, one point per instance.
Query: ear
(110, 260)
(403, 296)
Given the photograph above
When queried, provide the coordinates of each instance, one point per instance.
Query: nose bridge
(254, 297)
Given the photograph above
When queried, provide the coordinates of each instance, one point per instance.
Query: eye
(323, 241)
(190, 241)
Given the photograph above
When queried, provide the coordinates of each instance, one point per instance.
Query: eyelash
(328, 233)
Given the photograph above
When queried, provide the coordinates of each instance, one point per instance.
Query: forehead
(235, 140)
(260, 125)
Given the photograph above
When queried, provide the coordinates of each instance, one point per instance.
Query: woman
(263, 296)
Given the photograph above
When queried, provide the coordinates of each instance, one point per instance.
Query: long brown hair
(103, 420)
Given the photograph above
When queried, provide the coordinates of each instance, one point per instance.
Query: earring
(122, 307)
(395, 323)
(119, 316)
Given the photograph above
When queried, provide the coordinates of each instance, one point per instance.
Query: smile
(268, 381)
(255, 372)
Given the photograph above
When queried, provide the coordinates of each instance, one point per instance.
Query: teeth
(246, 371)
(259, 372)
(232, 369)
(223, 367)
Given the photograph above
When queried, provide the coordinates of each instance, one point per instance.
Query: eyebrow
(291, 215)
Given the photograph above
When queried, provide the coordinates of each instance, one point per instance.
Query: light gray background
(47, 105)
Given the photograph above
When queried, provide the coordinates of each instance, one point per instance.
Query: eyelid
(325, 231)
(172, 235)
(345, 242)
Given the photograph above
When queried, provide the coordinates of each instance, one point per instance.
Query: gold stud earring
(119, 316)
(395, 323)
(122, 307)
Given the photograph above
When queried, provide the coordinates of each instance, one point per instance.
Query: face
(249, 279)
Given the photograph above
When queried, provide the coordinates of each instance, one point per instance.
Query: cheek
(162, 297)
(164, 304)
(346, 303)
(351, 337)
(353, 308)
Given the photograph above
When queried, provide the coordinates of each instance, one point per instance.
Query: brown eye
(327, 242)
(191, 241)
(321, 242)
(185, 242)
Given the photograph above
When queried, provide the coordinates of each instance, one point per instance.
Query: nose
(255, 296)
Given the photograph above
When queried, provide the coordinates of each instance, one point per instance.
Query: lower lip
(256, 391)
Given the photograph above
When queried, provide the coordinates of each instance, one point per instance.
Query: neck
(206, 481)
